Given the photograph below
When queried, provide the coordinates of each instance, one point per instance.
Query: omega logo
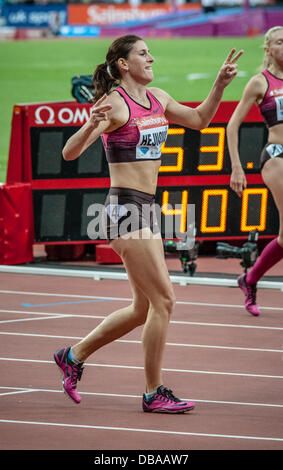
(47, 115)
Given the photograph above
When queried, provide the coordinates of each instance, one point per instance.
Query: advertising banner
(29, 16)
(113, 14)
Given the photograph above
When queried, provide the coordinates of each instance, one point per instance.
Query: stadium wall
(148, 20)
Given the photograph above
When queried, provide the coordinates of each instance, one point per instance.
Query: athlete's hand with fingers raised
(99, 110)
(229, 69)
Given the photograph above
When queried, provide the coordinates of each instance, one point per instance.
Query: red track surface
(217, 355)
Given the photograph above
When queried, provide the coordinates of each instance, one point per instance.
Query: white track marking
(99, 275)
(33, 319)
(72, 296)
(118, 366)
(128, 341)
(177, 322)
(17, 390)
(128, 299)
(150, 431)
(120, 395)
(14, 393)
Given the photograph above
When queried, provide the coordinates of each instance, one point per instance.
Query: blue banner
(80, 31)
(30, 16)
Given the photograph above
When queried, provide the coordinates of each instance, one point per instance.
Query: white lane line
(37, 335)
(52, 314)
(177, 322)
(128, 299)
(33, 319)
(150, 431)
(187, 371)
(207, 304)
(72, 296)
(15, 393)
(131, 341)
(120, 395)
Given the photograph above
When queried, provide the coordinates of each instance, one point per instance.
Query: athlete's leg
(120, 322)
(145, 263)
(272, 174)
(146, 267)
(114, 326)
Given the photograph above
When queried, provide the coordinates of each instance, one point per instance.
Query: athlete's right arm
(253, 93)
(99, 122)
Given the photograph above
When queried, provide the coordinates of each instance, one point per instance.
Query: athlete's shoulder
(162, 96)
(114, 96)
(157, 92)
(118, 115)
(116, 100)
(256, 86)
(257, 80)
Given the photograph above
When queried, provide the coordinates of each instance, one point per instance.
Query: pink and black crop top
(141, 138)
(271, 106)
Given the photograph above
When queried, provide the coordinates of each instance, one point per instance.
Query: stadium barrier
(148, 20)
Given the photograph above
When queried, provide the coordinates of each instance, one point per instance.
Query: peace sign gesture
(229, 69)
(99, 110)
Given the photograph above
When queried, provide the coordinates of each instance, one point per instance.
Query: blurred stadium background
(43, 44)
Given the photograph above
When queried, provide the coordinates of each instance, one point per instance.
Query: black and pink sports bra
(141, 138)
(271, 106)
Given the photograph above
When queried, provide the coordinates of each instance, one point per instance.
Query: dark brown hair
(108, 74)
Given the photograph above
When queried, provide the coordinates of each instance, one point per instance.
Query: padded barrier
(16, 223)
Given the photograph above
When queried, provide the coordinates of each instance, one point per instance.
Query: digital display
(186, 152)
(70, 214)
(46, 155)
(195, 171)
(220, 212)
(190, 152)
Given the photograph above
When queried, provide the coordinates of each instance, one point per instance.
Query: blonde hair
(267, 40)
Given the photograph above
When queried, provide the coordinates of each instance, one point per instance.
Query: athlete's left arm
(201, 116)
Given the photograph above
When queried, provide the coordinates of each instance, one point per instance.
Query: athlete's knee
(280, 234)
(140, 309)
(280, 239)
(171, 303)
(166, 303)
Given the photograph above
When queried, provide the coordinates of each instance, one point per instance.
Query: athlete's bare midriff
(141, 176)
(275, 134)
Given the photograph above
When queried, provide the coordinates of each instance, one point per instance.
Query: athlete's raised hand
(229, 69)
(99, 110)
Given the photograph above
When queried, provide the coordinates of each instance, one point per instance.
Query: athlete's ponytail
(108, 75)
(103, 80)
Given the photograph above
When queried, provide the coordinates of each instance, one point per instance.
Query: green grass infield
(38, 71)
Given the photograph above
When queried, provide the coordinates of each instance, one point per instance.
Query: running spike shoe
(71, 373)
(164, 401)
(250, 294)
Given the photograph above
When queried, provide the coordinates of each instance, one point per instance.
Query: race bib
(116, 211)
(153, 133)
(274, 150)
(279, 107)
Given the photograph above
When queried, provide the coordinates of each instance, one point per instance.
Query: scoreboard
(195, 170)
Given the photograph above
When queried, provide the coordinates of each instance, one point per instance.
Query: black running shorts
(270, 151)
(127, 211)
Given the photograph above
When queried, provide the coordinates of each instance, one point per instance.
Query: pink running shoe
(250, 293)
(71, 373)
(165, 402)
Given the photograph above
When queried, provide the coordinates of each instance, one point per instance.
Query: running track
(228, 362)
